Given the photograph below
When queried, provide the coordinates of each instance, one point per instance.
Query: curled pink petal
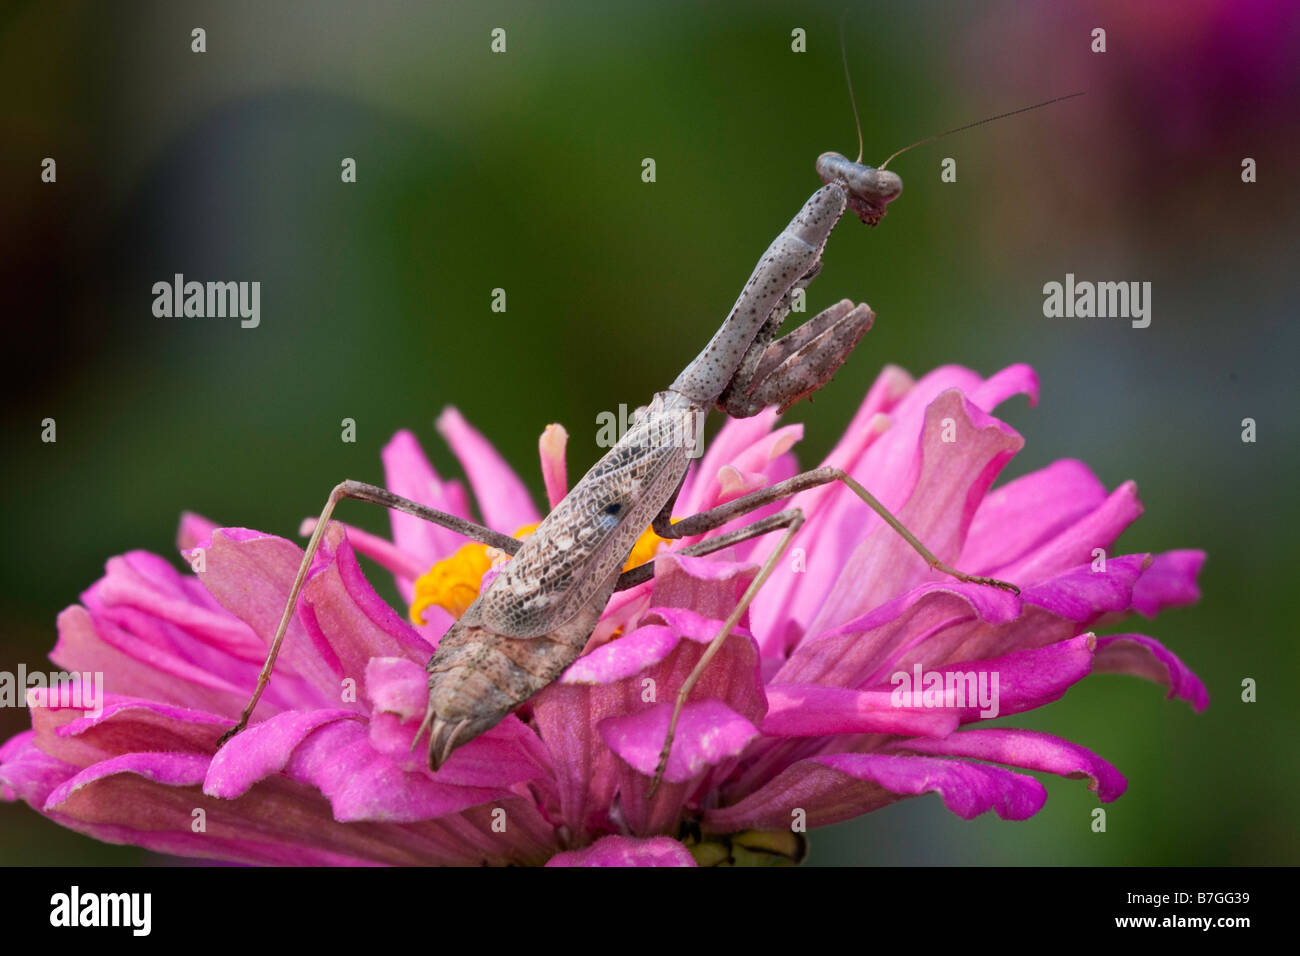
(1146, 657)
(1030, 750)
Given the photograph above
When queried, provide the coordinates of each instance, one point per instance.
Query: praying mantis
(538, 613)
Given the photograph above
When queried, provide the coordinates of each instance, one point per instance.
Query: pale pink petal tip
(551, 447)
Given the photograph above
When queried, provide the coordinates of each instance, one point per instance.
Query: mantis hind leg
(376, 495)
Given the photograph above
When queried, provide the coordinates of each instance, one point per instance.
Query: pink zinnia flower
(802, 718)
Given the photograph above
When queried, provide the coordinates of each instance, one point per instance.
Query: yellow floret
(453, 583)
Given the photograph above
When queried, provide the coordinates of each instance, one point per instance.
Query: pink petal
(1170, 581)
(710, 587)
(1084, 595)
(1146, 657)
(501, 496)
(626, 657)
(811, 710)
(28, 773)
(149, 800)
(867, 650)
(363, 784)
(126, 725)
(348, 622)
(708, 732)
(554, 475)
(1030, 750)
(250, 574)
(135, 667)
(889, 467)
(952, 480)
(586, 772)
(837, 787)
(407, 472)
(1026, 679)
(397, 685)
(1025, 513)
(627, 851)
(193, 528)
(701, 490)
(263, 749)
(332, 753)
(1076, 544)
(997, 388)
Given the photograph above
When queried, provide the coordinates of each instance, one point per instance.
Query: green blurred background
(522, 171)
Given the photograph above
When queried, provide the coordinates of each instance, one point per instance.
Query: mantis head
(869, 189)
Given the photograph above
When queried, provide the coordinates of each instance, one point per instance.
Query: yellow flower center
(453, 583)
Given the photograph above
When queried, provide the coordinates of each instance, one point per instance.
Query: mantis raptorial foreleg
(376, 495)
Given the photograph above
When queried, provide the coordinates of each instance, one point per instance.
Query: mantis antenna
(848, 81)
(957, 129)
(857, 120)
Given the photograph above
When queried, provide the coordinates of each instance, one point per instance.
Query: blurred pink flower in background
(796, 721)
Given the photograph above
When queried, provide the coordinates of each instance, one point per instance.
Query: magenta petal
(126, 725)
(837, 787)
(362, 784)
(961, 451)
(1084, 595)
(586, 773)
(348, 622)
(1018, 379)
(709, 587)
(702, 489)
(149, 800)
(172, 770)
(397, 685)
(1030, 750)
(263, 749)
(1024, 514)
(251, 574)
(867, 650)
(627, 851)
(811, 710)
(193, 529)
(133, 666)
(1077, 544)
(28, 773)
(626, 657)
(708, 732)
(1146, 657)
(734, 676)
(144, 594)
(1025, 679)
(1170, 581)
(333, 754)
(507, 754)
